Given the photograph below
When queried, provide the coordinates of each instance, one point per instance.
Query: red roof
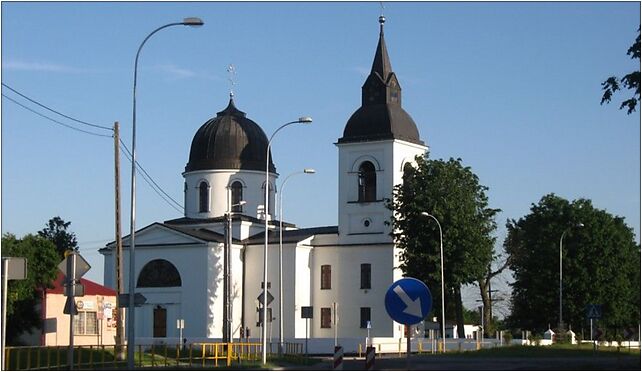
(91, 288)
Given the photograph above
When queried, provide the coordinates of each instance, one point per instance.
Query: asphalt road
(472, 363)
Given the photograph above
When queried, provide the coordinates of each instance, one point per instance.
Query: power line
(54, 111)
(54, 120)
(150, 181)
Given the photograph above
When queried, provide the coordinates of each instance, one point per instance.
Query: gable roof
(198, 233)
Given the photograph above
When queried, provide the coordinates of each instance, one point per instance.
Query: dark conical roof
(229, 141)
(381, 115)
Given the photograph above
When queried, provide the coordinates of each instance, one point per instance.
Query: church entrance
(160, 322)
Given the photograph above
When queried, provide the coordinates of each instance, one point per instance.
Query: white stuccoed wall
(219, 180)
(388, 157)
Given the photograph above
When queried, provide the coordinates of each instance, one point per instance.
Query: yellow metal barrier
(105, 357)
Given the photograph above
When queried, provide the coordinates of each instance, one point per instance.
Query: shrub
(534, 339)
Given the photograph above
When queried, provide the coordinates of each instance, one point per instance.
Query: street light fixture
(190, 21)
(561, 324)
(443, 307)
(301, 120)
(305, 171)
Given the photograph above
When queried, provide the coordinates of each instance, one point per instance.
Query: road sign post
(335, 320)
(13, 268)
(180, 324)
(368, 326)
(594, 311)
(408, 301)
(306, 313)
(73, 266)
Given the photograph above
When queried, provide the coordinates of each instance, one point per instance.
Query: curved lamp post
(561, 324)
(443, 307)
(305, 171)
(301, 120)
(191, 21)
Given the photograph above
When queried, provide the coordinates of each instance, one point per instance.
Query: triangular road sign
(594, 312)
(70, 306)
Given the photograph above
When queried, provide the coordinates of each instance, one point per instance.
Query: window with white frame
(86, 323)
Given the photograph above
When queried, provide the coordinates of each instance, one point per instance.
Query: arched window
(159, 273)
(408, 171)
(237, 196)
(203, 197)
(367, 182)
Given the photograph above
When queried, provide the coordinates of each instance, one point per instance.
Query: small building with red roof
(95, 323)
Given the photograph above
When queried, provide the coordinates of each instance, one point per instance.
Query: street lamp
(561, 325)
(190, 21)
(305, 171)
(443, 307)
(301, 120)
(227, 268)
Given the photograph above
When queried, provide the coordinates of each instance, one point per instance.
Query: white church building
(179, 263)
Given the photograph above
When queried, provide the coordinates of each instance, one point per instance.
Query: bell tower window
(203, 197)
(237, 196)
(367, 182)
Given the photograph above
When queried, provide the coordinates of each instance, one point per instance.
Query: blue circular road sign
(408, 301)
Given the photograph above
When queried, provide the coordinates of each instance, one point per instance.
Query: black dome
(378, 122)
(229, 141)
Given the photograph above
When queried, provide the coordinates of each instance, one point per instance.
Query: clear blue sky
(511, 88)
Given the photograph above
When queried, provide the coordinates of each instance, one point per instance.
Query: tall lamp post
(191, 21)
(561, 324)
(301, 120)
(443, 307)
(305, 171)
(227, 268)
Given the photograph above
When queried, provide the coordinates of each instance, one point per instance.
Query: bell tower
(378, 140)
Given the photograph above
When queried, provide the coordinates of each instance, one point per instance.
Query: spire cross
(231, 70)
(382, 18)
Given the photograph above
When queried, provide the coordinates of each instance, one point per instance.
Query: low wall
(325, 346)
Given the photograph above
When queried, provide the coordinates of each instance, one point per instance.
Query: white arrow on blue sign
(408, 301)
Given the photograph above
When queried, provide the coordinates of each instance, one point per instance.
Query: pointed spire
(381, 63)
(231, 109)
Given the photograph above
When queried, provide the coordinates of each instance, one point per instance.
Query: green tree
(483, 283)
(451, 192)
(600, 265)
(629, 81)
(57, 232)
(24, 295)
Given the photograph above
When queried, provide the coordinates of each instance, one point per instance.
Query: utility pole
(120, 329)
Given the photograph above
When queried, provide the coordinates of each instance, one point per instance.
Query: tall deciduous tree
(451, 192)
(600, 265)
(23, 295)
(57, 232)
(629, 81)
